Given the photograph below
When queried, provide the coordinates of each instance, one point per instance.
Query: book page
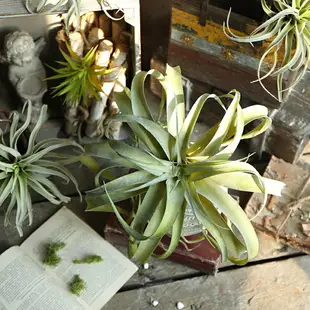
(103, 279)
(24, 285)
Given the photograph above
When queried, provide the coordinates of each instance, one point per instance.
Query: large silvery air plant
(287, 28)
(169, 174)
(26, 170)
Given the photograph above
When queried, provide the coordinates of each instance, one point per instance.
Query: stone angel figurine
(26, 71)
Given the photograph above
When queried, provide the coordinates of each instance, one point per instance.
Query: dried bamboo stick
(114, 127)
(71, 111)
(95, 35)
(103, 56)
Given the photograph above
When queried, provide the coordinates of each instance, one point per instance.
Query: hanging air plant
(170, 174)
(287, 28)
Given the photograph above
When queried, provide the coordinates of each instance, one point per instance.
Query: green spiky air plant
(80, 75)
(169, 174)
(287, 28)
(24, 171)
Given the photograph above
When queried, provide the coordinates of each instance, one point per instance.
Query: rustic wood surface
(207, 55)
(290, 129)
(272, 286)
(284, 217)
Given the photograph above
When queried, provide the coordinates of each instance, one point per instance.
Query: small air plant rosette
(95, 52)
(287, 32)
(170, 174)
(25, 169)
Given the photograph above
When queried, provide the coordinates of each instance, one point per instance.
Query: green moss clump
(55, 247)
(90, 259)
(77, 285)
(51, 257)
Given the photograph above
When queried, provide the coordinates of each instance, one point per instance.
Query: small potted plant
(169, 173)
(286, 29)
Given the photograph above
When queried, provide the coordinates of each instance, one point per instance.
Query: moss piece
(51, 258)
(77, 285)
(55, 247)
(90, 259)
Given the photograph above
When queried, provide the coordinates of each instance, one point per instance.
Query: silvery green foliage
(23, 171)
(286, 30)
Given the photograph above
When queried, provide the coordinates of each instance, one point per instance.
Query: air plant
(74, 10)
(80, 75)
(168, 173)
(287, 28)
(23, 171)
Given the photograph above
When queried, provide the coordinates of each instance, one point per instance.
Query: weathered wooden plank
(272, 286)
(290, 130)
(217, 12)
(208, 63)
(284, 216)
(207, 55)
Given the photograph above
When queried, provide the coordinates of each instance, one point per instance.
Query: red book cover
(203, 256)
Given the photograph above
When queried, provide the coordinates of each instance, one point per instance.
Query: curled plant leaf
(169, 174)
(287, 28)
(21, 172)
(49, 6)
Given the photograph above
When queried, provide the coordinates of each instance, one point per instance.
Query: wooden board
(207, 55)
(272, 286)
(277, 219)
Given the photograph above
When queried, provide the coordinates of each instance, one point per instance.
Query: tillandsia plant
(169, 174)
(48, 6)
(80, 75)
(288, 30)
(74, 10)
(23, 171)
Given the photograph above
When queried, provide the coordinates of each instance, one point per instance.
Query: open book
(27, 284)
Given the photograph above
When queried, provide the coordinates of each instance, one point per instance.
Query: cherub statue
(26, 71)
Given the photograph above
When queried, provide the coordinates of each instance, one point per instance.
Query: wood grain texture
(272, 286)
(278, 219)
(290, 130)
(208, 66)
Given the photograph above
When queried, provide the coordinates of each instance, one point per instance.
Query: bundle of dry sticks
(112, 42)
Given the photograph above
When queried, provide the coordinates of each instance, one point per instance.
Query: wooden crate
(208, 58)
